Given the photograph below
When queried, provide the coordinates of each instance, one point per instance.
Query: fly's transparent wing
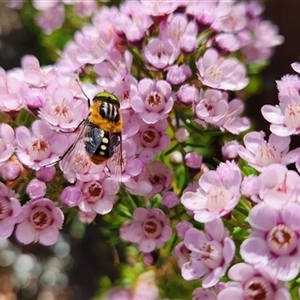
(114, 164)
(76, 160)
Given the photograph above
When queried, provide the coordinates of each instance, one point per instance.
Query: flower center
(211, 254)
(257, 288)
(155, 101)
(5, 208)
(150, 138)
(214, 74)
(40, 149)
(92, 191)
(266, 155)
(152, 228)
(40, 217)
(62, 112)
(282, 240)
(292, 115)
(81, 163)
(217, 198)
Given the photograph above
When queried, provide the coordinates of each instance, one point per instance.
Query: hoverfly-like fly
(99, 137)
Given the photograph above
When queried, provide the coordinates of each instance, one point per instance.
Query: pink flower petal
(131, 232)
(262, 218)
(49, 236)
(6, 227)
(254, 250)
(140, 214)
(241, 272)
(235, 293)
(103, 206)
(272, 114)
(147, 245)
(25, 233)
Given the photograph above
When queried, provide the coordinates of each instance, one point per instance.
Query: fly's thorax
(106, 116)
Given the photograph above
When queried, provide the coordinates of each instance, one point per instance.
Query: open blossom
(274, 240)
(210, 253)
(159, 54)
(41, 146)
(278, 186)
(10, 208)
(149, 229)
(62, 111)
(217, 195)
(7, 137)
(96, 196)
(181, 32)
(153, 100)
(221, 73)
(259, 153)
(249, 282)
(10, 98)
(285, 117)
(39, 221)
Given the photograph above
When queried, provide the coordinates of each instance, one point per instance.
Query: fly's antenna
(89, 101)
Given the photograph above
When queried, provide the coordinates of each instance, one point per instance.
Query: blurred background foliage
(85, 263)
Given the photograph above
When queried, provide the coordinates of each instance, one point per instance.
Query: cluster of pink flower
(171, 64)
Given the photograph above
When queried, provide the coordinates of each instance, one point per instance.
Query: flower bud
(36, 189)
(46, 173)
(71, 196)
(87, 217)
(182, 227)
(178, 74)
(187, 94)
(193, 160)
(10, 171)
(182, 135)
(230, 150)
(170, 199)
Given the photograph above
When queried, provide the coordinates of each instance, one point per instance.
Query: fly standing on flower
(98, 140)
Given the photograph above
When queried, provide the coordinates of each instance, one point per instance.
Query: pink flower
(285, 117)
(187, 93)
(10, 208)
(159, 53)
(250, 187)
(249, 282)
(51, 19)
(62, 111)
(153, 100)
(180, 32)
(10, 98)
(278, 186)
(71, 196)
(7, 137)
(274, 240)
(10, 171)
(159, 7)
(46, 174)
(258, 153)
(40, 147)
(36, 189)
(96, 196)
(217, 195)
(210, 253)
(170, 199)
(178, 74)
(221, 73)
(149, 229)
(132, 21)
(151, 140)
(230, 150)
(193, 160)
(39, 221)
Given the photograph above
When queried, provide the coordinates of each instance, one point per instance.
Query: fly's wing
(114, 164)
(76, 160)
